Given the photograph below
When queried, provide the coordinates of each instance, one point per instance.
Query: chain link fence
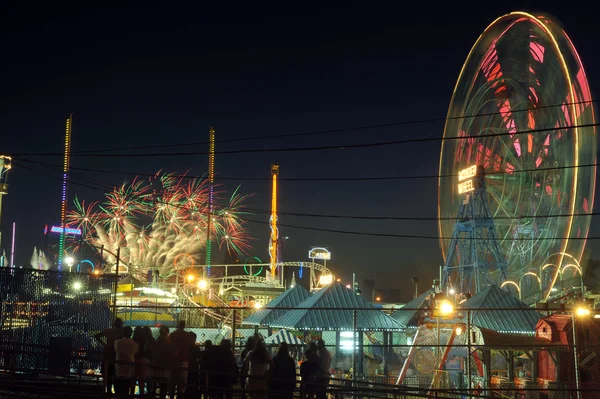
(49, 320)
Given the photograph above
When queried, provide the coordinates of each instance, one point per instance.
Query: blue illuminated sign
(68, 230)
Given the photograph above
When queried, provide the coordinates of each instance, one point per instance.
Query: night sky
(144, 75)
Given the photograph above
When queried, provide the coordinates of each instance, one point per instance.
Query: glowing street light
(257, 305)
(458, 330)
(202, 284)
(451, 291)
(582, 311)
(190, 278)
(69, 261)
(76, 285)
(446, 308)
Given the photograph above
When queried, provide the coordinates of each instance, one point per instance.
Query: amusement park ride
(520, 137)
(5, 165)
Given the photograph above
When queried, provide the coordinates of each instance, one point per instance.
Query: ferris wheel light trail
(518, 64)
(63, 205)
(273, 222)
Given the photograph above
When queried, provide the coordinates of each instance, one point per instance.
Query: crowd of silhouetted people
(175, 365)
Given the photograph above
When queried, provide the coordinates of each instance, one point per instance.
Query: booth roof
(270, 312)
(332, 308)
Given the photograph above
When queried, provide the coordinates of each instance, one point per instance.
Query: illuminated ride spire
(63, 204)
(474, 252)
(273, 242)
(5, 165)
(211, 181)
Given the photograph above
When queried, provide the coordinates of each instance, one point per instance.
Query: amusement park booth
(493, 327)
(277, 308)
(345, 321)
(558, 369)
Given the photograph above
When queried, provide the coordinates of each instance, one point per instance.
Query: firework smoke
(155, 220)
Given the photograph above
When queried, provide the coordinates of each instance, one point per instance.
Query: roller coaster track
(215, 315)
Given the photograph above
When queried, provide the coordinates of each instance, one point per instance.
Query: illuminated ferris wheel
(523, 74)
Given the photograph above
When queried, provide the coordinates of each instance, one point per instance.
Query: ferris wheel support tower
(5, 165)
(474, 251)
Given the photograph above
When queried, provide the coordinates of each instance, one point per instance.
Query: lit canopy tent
(332, 308)
(506, 315)
(129, 283)
(410, 313)
(278, 306)
(284, 336)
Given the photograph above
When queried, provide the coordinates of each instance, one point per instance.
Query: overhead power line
(312, 179)
(321, 132)
(416, 218)
(315, 148)
(410, 236)
(362, 233)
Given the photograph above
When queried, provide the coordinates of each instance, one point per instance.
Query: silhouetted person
(181, 341)
(325, 366)
(143, 337)
(250, 345)
(226, 371)
(163, 361)
(125, 349)
(193, 390)
(204, 364)
(282, 380)
(107, 338)
(309, 372)
(258, 365)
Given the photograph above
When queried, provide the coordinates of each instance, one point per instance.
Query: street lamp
(77, 285)
(446, 308)
(69, 261)
(581, 311)
(202, 284)
(190, 278)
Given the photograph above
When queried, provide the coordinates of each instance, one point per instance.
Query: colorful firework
(155, 220)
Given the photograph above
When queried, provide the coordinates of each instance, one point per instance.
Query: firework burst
(153, 221)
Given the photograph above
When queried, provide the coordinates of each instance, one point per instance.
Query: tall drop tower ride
(274, 241)
(5, 165)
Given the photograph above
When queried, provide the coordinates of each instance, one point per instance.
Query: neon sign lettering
(468, 173)
(68, 230)
(466, 187)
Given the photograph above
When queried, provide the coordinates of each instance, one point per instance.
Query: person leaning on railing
(282, 379)
(259, 364)
(107, 339)
(125, 349)
(163, 360)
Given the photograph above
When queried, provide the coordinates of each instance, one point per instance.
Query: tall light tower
(211, 182)
(273, 253)
(5, 165)
(63, 204)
